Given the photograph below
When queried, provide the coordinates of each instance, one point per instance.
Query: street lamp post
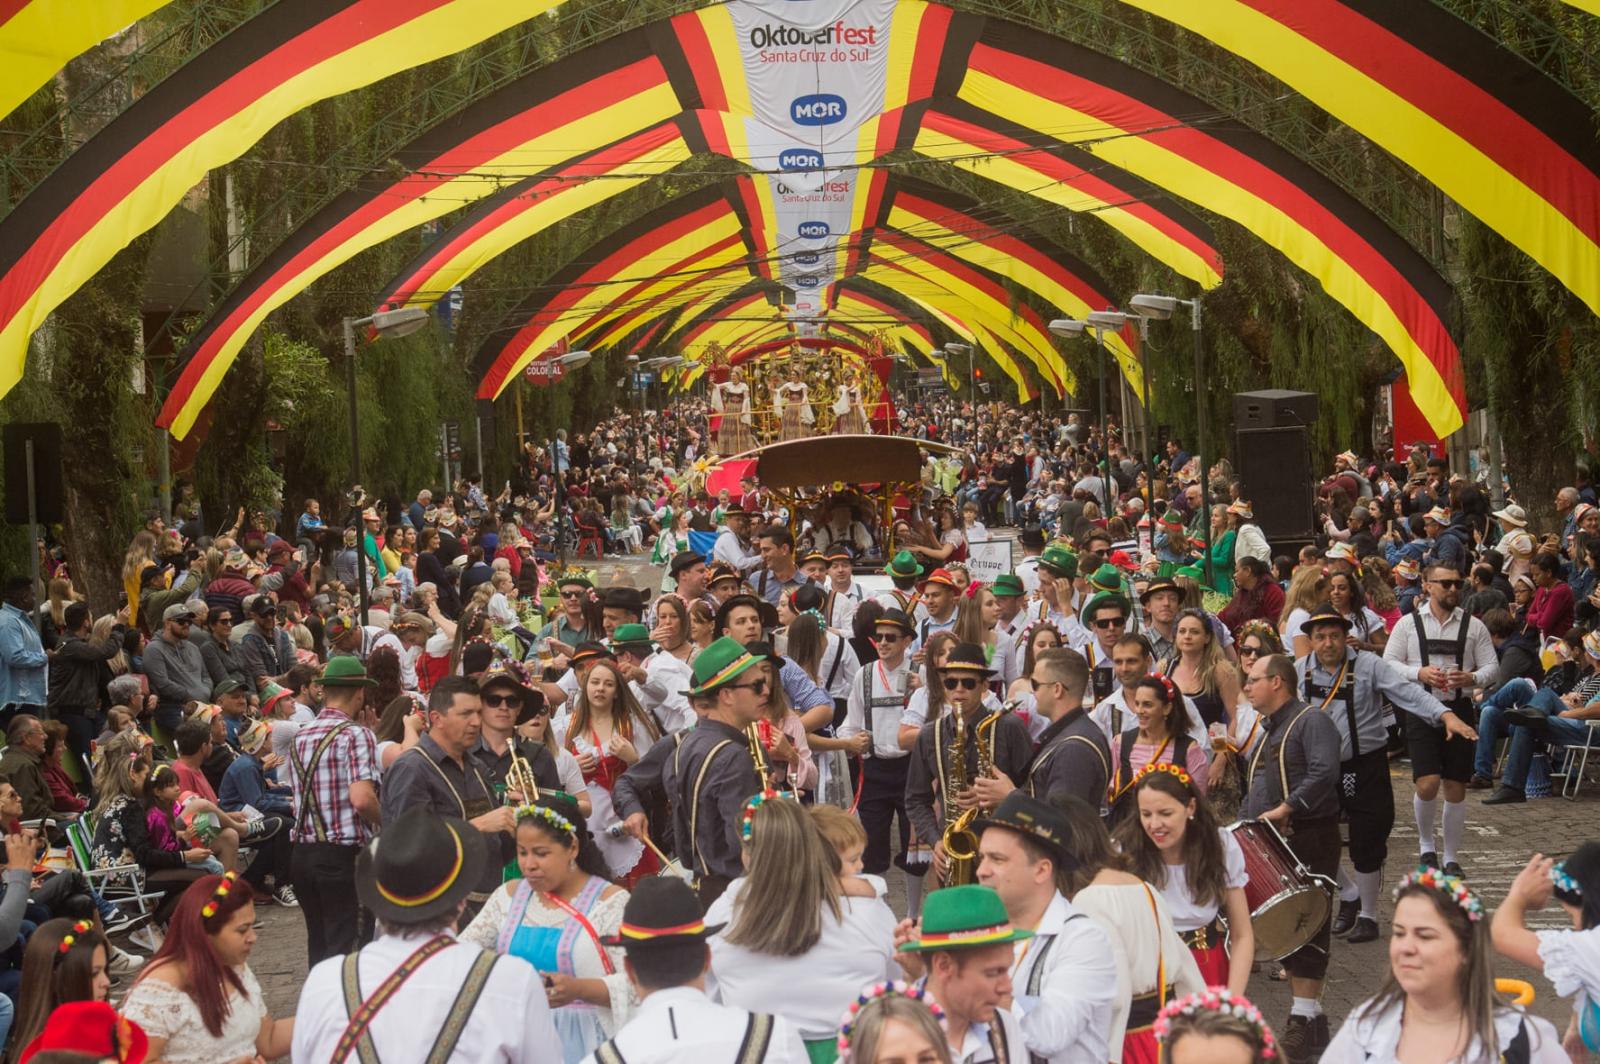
(1070, 327)
(570, 360)
(388, 325)
(1161, 308)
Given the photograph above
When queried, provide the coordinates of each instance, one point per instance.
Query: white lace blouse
(164, 1011)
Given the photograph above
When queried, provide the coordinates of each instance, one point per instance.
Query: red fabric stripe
(338, 34)
(602, 162)
(720, 316)
(1054, 169)
(760, 238)
(688, 262)
(925, 63)
(712, 129)
(702, 61)
(877, 181)
(1453, 100)
(472, 153)
(9, 9)
(1123, 112)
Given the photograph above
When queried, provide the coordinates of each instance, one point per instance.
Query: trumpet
(519, 777)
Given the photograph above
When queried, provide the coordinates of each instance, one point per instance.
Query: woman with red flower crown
(1176, 845)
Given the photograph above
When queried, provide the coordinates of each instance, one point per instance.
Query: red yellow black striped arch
(39, 37)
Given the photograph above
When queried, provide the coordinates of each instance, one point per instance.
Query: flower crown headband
(210, 908)
(747, 818)
(68, 940)
(1175, 771)
(847, 1025)
(1453, 887)
(1220, 1001)
(1166, 685)
(1564, 881)
(546, 814)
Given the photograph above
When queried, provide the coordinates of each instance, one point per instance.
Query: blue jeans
(1491, 726)
(1563, 731)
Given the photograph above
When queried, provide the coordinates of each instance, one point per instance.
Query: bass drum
(1288, 904)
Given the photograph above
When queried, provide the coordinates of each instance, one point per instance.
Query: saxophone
(960, 841)
(758, 755)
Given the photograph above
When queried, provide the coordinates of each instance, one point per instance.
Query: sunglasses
(1251, 651)
(889, 637)
(184, 623)
(572, 594)
(960, 683)
(495, 701)
(1109, 622)
(1448, 584)
(222, 620)
(759, 686)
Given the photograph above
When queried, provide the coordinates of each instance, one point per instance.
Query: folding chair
(1576, 760)
(122, 884)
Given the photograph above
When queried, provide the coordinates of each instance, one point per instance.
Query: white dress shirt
(510, 1023)
(682, 1025)
(886, 688)
(666, 679)
(1069, 1021)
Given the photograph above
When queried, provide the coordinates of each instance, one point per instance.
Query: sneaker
(1366, 930)
(1320, 1036)
(1505, 796)
(1295, 1037)
(123, 964)
(284, 896)
(1346, 918)
(148, 938)
(121, 921)
(1430, 859)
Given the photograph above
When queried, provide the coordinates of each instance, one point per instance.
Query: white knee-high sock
(1371, 885)
(913, 896)
(1455, 825)
(1425, 812)
(1347, 886)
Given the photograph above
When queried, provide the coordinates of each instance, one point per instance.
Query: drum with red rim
(1288, 904)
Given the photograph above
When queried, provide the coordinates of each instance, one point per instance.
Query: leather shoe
(1295, 1038)
(1366, 930)
(1428, 860)
(1505, 796)
(1527, 718)
(1345, 919)
(1320, 1036)
(1453, 868)
(1480, 783)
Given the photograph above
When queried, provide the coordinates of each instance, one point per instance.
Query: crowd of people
(528, 813)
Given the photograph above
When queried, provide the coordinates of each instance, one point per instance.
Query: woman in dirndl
(555, 917)
(609, 731)
(1177, 846)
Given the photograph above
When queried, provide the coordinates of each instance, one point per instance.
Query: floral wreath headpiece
(973, 587)
(816, 615)
(210, 908)
(1563, 880)
(1166, 685)
(1026, 636)
(1175, 771)
(68, 940)
(1453, 887)
(529, 811)
(878, 990)
(1222, 1001)
(747, 818)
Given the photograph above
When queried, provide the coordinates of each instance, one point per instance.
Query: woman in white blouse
(794, 944)
(196, 998)
(1176, 846)
(1439, 1002)
(554, 918)
(1143, 941)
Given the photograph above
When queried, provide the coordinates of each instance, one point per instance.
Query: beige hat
(1513, 515)
(1438, 514)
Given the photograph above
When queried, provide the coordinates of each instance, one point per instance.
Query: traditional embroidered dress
(732, 401)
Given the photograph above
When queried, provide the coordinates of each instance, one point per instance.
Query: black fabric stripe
(247, 44)
(1117, 76)
(1541, 101)
(680, 73)
(963, 32)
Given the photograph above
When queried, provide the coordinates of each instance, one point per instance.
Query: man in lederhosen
(1350, 686)
(1447, 650)
(1073, 757)
(1105, 616)
(707, 775)
(871, 725)
(965, 677)
(443, 774)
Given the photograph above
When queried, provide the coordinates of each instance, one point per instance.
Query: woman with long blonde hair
(609, 731)
(141, 554)
(794, 943)
(1307, 587)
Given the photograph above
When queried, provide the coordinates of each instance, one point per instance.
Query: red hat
(942, 576)
(92, 1028)
(1120, 559)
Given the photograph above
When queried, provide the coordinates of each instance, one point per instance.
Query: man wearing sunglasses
(1074, 757)
(964, 680)
(1106, 618)
(507, 702)
(871, 726)
(1450, 652)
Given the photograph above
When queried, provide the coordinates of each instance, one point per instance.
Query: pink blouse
(1197, 762)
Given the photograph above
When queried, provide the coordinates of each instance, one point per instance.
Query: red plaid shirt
(351, 757)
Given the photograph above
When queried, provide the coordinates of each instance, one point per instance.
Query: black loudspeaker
(1275, 468)
(1273, 408)
(46, 437)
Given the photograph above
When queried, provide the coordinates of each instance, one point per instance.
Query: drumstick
(665, 860)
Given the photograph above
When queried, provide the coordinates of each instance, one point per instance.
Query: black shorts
(1432, 755)
(1366, 797)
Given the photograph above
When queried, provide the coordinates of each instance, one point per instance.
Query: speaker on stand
(1272, 457)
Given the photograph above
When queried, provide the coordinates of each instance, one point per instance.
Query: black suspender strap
(1036, 977)
(608, 1053)
(757, 1035)
(303, 779)
(1344, 686)
(833, 672)
(998, 1044)
(694, 805)
(866, 699)
(357, 1033)
(444, 1046)
(1048, 752)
